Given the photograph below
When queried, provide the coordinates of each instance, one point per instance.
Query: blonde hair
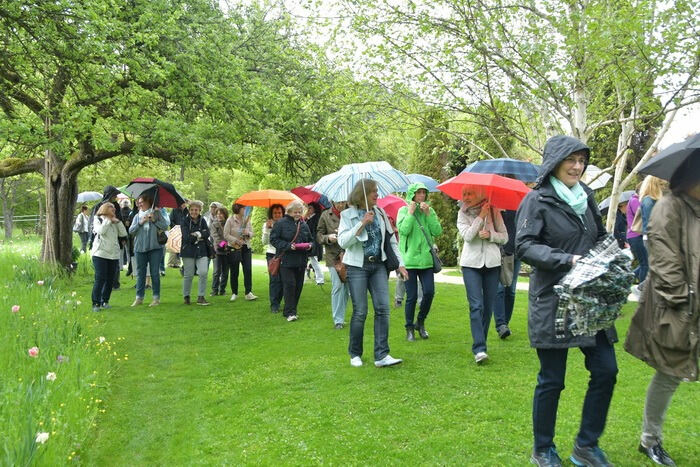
(479, 191)
(358, 193)
(104, 208)
(296, 204)
(652, 187)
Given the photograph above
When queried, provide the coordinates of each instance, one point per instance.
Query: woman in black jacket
(557, 223)
(194, 252)
(292, 239)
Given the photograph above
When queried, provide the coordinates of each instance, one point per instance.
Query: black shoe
(546, 458)
(187, 300)
(590, 456)
(422, 332)
(410, 337)
(657, 454)
(339, 326)
(503, 331)
(213, 293)
(274, 310)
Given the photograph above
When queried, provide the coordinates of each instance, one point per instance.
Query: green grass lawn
(234, 384)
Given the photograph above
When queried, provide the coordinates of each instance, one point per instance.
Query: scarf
(575, 196)
(335, 211)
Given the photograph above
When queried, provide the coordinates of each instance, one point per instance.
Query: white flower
(51, 376)
(101, 339)
(72, 294)
(78, 302)
(42, 437)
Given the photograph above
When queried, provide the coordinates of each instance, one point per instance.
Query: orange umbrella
(266, 198)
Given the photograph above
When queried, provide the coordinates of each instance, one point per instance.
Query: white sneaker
(356, 362)
(387, 361)
(291, 318)
(480, 357)
(234, 297)
(249, 296)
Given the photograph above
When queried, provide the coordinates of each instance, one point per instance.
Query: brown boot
(202, 301)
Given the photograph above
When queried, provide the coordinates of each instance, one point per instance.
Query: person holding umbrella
(195, 252)
(557, 223)
(418, 225)
(82, 228)
(144, 228)
(105, 254)
(663, 332)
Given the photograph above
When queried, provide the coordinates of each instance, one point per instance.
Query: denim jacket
(146, 235)
(350, 222)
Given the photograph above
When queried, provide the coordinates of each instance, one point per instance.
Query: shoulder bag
(273, 266)
(340, 268)
(507, 267)
(637, 221)
(437, 264)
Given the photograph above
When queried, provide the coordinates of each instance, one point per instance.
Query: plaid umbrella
(521, 170)
(338, 185)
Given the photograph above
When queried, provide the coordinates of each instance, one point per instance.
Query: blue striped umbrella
(338, 185)
(429, 182)
(521, 170)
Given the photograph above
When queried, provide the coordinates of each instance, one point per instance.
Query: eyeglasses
(573, 160)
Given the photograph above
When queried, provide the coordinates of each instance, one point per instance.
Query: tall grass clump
(54, 363)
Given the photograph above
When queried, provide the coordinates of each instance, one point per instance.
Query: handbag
(637, 221)
(273, 266)
(340, 268)
(507, 267)
(392, 261)
(437, 264)
(162, 237)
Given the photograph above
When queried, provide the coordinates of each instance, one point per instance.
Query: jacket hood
(412, 188)
(109, 192)
(556, 149)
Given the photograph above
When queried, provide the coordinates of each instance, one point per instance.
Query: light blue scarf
(575, 196)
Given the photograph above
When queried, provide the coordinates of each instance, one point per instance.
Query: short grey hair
(197, 203)
(296, 204)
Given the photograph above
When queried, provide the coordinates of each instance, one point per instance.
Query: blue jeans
(640, 254)
(481, 285)
(505, 298)
(427, 281)
(275, 288)
(339, 297)
(374, 278)
(104, 279)
(150, 259)
(601, 364)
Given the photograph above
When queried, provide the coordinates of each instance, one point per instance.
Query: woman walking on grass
(482, 229)
(362, 232)
(418, 226)
(557, 223)
(223, 251)
(274, 213)
(194, 252)
(105, 254)
(238, 231)
(663, 332)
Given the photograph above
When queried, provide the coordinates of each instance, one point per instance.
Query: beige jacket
(477, 253)
(235, 231)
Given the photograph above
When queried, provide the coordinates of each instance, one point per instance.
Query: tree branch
(16, 166)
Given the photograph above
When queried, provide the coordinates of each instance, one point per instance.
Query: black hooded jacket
(549, 233)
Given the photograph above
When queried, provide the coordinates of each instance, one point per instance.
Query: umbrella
(391, 204)
(624, 197)
(429, 182)
(502, 192)
(307, 195)
(338, 185)
(665, 163)
(86, 196)
(266, 198)
(174, 242)
(122, 197)
(164, 194)
(521, 170)
(592, 173)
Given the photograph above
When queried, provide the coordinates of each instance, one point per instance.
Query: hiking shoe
(547, 458)
(657, 454)
(387, 361)
(422, 332)
(356, 362)
(251, 296)
(155, 302)
(96, 308)
(202, 301)
(106, 306)
(590, 456)
(137, 302)
(187, 300)
(339, 326)
(234, 297)
(503, 331)
(481, 357)
(291, 318)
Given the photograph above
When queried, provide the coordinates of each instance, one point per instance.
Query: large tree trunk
(61, 192)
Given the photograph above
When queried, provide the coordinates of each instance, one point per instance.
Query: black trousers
(243, 257)
(292, 284)
(601, 364)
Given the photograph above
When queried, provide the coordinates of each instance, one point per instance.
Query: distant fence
(27, 223)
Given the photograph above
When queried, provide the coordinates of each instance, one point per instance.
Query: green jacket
(414, 248)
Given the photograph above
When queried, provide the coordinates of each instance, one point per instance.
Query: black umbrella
(665, 163)
(624, 197)
(165, 195)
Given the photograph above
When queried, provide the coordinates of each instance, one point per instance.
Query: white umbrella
(338, 185)
(592, 173)
(86, 196)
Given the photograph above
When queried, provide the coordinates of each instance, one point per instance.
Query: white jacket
(350, 223)
(477, 253)
(266, 240)
(106, 242)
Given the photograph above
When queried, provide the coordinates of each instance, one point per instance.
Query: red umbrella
(391, 204)
(307, 195)
(164, 194)
(502, 192)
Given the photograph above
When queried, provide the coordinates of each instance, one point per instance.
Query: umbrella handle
(365, 193)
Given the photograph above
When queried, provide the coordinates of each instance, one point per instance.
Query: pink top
(632, 207)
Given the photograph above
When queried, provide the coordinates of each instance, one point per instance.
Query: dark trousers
(104, 279)
(481, 285)
(276, 289)
(116, 285)
(292, 284)
(244, 257)
(505, 298)
(601, 364)
(220, 277)
(83, 240)
(640, 254)
(427, 281)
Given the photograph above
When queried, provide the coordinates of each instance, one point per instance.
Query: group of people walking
(557, 223)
